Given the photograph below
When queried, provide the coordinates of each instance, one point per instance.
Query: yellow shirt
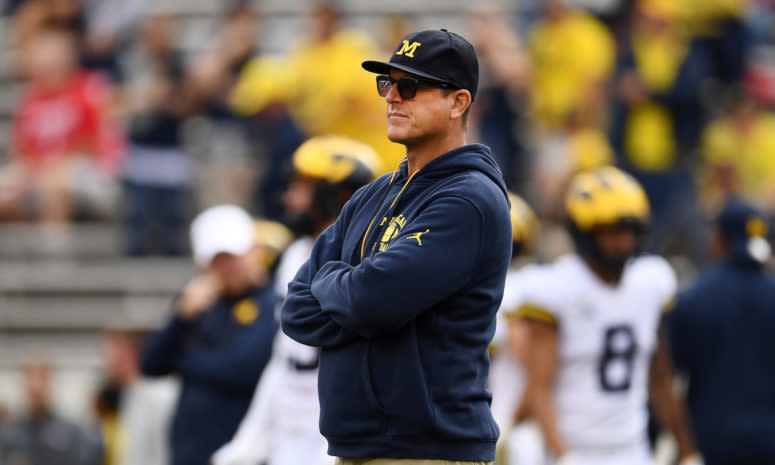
(263, 81)
(751, 154)
(649, 141)
(332, 94)
(568, 55)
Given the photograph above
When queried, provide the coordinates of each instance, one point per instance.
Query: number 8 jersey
(607, 336)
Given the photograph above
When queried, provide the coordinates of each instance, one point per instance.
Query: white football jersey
(607, 336)
(507, 378)
(296, 402)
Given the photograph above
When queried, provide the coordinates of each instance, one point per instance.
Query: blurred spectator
(112, 438)
(111, 26)
(759, 79)
(33, 17)
(261, 94)
(40, 436)
(572, 55)
(66, 146)
(157, 171)
(760, 16)
(657, 121)
(739, 153)
(210, 82)
(219, 338)
(331, 92)
(720, 33)
(500, 112)
(721, 335)
(658, 87)
(102, 28)
(216, 70)
(144, 407)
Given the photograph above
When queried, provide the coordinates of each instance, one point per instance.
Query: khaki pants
(388, 461)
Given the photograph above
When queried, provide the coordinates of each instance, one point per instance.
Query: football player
(281, 426)
(520, 445)
(597, 352)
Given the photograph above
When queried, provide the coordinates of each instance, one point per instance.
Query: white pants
(298, 449)
(524, 445)
(637, 454)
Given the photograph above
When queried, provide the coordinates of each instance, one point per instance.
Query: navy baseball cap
(744, 228)
(436, 56)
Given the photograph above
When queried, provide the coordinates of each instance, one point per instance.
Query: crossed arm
(301, 315)
(331, 302)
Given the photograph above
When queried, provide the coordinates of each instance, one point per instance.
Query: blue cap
(744, 228)
(435, 55)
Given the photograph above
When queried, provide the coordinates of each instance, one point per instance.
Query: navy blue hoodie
(401, 295)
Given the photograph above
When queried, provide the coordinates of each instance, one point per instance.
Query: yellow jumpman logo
(417, 236)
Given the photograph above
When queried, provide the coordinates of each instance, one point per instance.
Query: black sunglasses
(407, 86)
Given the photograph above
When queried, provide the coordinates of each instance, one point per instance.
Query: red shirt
(76, 119)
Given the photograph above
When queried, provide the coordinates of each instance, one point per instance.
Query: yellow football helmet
(525, 228)
(336, 160)
(606, 196)
(337, 166)
(603, 198)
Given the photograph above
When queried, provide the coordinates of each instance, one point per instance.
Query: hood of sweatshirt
(468, 157)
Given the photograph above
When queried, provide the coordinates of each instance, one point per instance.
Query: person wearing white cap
(219, 338)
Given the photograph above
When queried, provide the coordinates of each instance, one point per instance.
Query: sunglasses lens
(407, 88)
(384, 83)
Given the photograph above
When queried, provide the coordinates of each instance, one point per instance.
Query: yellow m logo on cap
(407, 49)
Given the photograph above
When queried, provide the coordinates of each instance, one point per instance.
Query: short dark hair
(465, 113)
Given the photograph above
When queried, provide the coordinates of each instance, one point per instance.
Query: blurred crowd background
(120, 119)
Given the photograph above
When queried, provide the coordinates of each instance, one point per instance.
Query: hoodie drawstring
(366, 235)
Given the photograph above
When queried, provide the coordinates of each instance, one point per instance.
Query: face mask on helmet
(608, 212)
(613, 264)
(609, 248)
(300, 223)
(327, 201)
